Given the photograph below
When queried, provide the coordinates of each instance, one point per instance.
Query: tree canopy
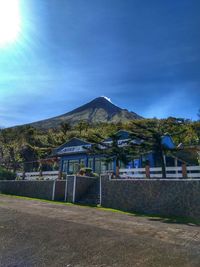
(27, 144)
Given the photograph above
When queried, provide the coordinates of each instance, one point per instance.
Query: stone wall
(47, 189)
(60, 190)
(162, 197)
(70, 187)
(34, 189)
(82, 185)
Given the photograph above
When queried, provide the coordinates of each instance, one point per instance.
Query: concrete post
(184, 170)
(60, 175)
(40, 173)
(60, 170)
(74, 190)
(147, 171)
(54, 188)
(23, 175)
(66, 187)
(176, 165)
(100, 191)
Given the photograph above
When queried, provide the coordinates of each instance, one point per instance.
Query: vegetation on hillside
(23, 147)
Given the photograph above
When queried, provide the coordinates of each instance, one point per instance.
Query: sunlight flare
(9, 21)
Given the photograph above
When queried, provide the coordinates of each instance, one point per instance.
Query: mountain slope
(98, 110)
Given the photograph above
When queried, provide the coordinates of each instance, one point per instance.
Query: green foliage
(85, 171)
(151, 135)
(112, 151)
(28, 144)
(6, 175)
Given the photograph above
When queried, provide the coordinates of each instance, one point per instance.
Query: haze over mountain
(98, 110)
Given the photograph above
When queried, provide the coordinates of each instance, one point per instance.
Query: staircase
(91, 196)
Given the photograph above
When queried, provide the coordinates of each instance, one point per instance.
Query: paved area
(36, 233)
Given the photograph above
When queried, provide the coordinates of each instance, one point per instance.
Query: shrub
(87, 172)
(6, 175)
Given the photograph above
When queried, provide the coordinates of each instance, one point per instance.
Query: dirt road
(36, 233)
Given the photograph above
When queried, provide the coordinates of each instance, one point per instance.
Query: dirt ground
(36, 233)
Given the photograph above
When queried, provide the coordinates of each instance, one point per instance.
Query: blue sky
(144, 55)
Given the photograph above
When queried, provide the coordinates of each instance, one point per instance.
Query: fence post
(60, 175)
(147, 171)
(66, 185)
(184, 170)
(54, 187)
(100, 191)
(74, 190)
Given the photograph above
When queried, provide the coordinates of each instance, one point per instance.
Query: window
(97, 165)
(100, 165)
(90, 163)
(82, 163)
(110, 166)
(73, 166)
(122, 165)
(65, 163)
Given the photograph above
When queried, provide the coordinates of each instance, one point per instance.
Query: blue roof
(168, 142)
(74, 142)
(122, 134)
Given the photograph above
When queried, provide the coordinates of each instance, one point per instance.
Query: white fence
(48, 175)
(171, 172)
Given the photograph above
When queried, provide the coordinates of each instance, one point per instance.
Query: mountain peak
(99, 103)
(100, 109)
(107, 98)
(101, 100)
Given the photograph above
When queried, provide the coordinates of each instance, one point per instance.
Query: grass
(151, 217)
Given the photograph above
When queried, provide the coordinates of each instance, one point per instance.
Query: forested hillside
(27, 145)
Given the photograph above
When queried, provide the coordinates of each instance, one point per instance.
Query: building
(74, 154)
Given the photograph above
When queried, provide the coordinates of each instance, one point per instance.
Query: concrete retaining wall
(70, 188)
(162, 197)
(76, 186)
(34, 189)
(60, 190)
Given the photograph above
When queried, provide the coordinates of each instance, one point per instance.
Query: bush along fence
(6, 175)
(45, 175)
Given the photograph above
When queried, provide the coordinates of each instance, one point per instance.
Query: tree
(65, 127)
(198, 114)
(82, 125)
(112, 150)
(151, 135)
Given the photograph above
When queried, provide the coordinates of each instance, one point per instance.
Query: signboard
(73, 149)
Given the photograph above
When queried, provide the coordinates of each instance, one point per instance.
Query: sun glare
(9, 21)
